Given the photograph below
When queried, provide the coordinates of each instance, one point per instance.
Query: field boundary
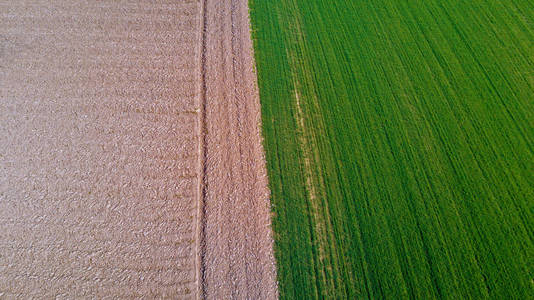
(201, 189)
(234, 239)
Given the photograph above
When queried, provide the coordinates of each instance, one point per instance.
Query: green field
(400, 146)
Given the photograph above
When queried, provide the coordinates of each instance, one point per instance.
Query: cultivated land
(98, 149)
(128, 166)
(400, 146)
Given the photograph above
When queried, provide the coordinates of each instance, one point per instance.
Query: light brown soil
(237, 253)
(98, 149)
(124, 171)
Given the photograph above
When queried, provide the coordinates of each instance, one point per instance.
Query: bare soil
(130, 152)
(237, 249)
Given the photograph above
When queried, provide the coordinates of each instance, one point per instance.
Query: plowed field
(130, 152)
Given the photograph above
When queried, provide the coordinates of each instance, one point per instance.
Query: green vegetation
(400, 146)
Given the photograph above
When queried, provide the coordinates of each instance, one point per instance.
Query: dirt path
(237, 256)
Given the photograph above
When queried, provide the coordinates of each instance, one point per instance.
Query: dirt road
(236, 229)
(130, 160)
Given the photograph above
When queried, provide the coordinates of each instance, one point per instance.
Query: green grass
(400, 146)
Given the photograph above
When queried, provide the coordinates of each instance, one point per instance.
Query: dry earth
(237, 232)
(130, 155)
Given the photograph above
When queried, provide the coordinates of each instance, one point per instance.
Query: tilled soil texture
(237, 255)
(98, 148)
(103, 112)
